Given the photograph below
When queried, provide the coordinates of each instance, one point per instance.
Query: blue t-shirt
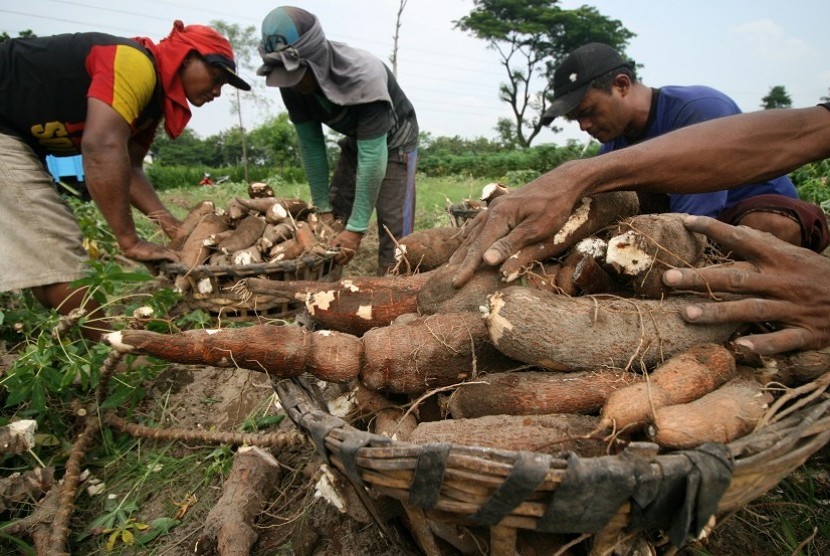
(676, 107)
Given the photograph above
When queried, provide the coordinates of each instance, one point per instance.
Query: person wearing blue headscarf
(352, 92)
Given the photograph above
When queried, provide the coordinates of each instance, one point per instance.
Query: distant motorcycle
(207, 180)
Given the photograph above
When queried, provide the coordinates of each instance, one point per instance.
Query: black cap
(573, 77)
(229, 68)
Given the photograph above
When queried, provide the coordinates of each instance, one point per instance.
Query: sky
(742, 48)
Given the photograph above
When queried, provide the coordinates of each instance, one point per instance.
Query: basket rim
(386, 465)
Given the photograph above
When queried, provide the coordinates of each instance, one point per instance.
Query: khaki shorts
(40, 241)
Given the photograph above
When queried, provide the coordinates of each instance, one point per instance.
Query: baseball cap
(573, 77)
(281, 28)
(229, 67)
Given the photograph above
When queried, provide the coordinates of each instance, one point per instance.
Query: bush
(540, 159)
(813, 183)
(171, 177)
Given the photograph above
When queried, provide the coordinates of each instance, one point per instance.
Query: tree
(394, 57)
(274, 143)
(826, 98)
(531, 37)
(777, 98)
(27, 34)
(187, 150)
(244, 42)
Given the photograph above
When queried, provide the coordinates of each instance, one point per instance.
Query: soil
(294, 522)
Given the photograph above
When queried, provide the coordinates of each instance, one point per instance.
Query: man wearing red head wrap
(103, 97)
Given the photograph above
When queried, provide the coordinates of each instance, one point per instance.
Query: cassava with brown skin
(589, 216)
(287, 250)
(427, 249)
(235, 210)
(194, 252)
(190, 221)
(352, 305)
(304, 236)
(543, 276)
(280, 351)
(230, 525)
(394, 423)
(537, 393)
(429, 352)
(564, 333)
(246, 233)
(791, 369)
(548, 434)
(645, 246)
(438, 295)
(297, 208)
(590, 277)
(425, 352)
(565, 284)
(685, 377)
(259, 204)
(724, 415)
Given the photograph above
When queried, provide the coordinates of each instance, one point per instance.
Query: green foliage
(532, 37)
(777, 98)
(4, 36)
(482, 161)
(813, 183)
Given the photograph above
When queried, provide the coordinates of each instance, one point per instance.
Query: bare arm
(717, 154)
(109, 172)
(710, 156)
(143, 195)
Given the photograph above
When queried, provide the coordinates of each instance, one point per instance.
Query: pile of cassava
(251, 230)
(573, 344)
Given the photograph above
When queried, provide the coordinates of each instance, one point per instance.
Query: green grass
(433, 195)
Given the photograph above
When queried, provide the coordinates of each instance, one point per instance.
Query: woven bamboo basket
(220, 290)
(508, 493)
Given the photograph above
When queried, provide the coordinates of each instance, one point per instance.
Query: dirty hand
(147, 252)
(785, 285)
(513, 221)
(348, 243)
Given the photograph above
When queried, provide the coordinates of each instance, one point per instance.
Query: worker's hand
(513, 221)
(785, 285)
(169, 224)
(147, 252)
(348, 243)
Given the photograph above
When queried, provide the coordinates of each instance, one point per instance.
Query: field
(156, 494)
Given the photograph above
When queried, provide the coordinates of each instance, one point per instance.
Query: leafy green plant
(813, 183)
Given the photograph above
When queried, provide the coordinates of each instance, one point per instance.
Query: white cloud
(771, 41)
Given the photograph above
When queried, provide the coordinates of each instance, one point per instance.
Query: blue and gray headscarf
(293, 42)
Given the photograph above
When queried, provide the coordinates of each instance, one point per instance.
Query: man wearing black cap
(354, 93)
(597, 88)
(782, 286)
(103, 97)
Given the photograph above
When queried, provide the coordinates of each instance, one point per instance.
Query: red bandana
(169, 55)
